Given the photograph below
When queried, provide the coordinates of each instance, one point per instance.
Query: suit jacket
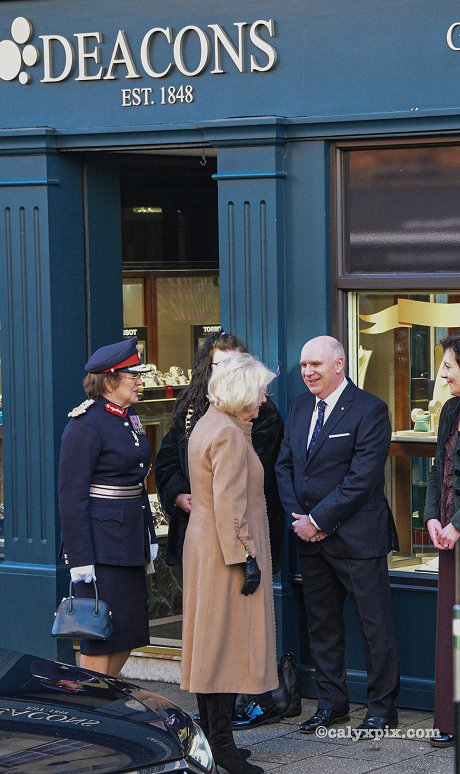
(172, 478)
(341, 484)
(447, 421)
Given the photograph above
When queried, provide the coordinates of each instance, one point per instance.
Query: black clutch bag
(82, 619)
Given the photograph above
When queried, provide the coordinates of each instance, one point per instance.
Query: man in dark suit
(330, 473)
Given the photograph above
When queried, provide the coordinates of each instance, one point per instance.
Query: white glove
(153, 555)
(85, 574)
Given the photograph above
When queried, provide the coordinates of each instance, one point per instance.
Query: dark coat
(100, 448)
(447, 421)
(172, 478)
(342, 483)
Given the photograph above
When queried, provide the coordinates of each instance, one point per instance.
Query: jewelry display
(160, 516)
(172, 378)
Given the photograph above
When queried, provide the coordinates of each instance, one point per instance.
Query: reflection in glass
(402, 211)
(395, 353)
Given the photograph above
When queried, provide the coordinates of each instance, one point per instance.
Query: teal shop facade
(288, 98)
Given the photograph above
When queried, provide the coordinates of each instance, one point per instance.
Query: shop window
(396, 354)
(401, 210)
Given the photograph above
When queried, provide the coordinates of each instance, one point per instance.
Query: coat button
(66, 556)
(66, 561)
(126, 424)
(141, 464)
(143, 507)
(305, 478)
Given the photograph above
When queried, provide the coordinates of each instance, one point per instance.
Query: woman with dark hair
(173, 481)
(442, 518)
(107, 526)
(171, 468)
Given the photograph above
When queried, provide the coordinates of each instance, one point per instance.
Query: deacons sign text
(157, 53)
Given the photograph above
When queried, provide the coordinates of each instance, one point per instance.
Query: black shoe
(377, 723)
(253, 715)
(323, 718)
(442, 740)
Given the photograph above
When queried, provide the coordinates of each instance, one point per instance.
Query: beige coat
(228, 639)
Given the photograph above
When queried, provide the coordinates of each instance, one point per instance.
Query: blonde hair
(237, 382)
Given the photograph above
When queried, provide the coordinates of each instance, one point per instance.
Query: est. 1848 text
(168, 95)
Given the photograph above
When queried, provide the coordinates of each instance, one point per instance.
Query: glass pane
(396, 355)
(133, 303)
(169, 213)
(402, 209)
(183, 302)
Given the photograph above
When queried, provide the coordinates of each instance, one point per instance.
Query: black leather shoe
(442, 740)
(323, 718)
(253, 715)
(377, 723)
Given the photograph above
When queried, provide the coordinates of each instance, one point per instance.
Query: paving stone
(325, 765)
(383, 750)
(436, 762)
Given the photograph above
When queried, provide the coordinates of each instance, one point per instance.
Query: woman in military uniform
(107, 525)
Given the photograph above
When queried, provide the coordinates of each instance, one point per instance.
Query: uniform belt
(115, 492)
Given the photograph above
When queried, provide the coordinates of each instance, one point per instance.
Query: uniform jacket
(447, 421)
(341, 484)
(172, 478)
(99, 447)
(228, 640)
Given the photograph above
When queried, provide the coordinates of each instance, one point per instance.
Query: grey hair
(236, 383)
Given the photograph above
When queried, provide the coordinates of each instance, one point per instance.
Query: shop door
(170, 301)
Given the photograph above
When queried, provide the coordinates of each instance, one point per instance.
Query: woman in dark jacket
(442, 517)
(171, 471)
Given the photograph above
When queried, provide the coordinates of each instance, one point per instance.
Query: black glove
(251, 576)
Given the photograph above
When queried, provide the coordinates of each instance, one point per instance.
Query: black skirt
(124, 589)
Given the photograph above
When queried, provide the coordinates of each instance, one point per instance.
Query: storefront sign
(156, 53)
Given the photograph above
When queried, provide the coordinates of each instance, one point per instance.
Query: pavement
(281, 748)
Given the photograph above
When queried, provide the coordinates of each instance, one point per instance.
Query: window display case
(395, 353)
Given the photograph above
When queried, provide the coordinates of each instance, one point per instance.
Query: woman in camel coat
(228, 627)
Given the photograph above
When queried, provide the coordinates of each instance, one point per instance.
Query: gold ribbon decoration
(406, 313)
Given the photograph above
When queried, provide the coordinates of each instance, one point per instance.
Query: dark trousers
(326, 581)
(444, 685)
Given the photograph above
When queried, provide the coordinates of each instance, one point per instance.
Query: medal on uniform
(136, 424)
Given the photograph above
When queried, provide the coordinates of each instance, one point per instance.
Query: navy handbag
(82, 619)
